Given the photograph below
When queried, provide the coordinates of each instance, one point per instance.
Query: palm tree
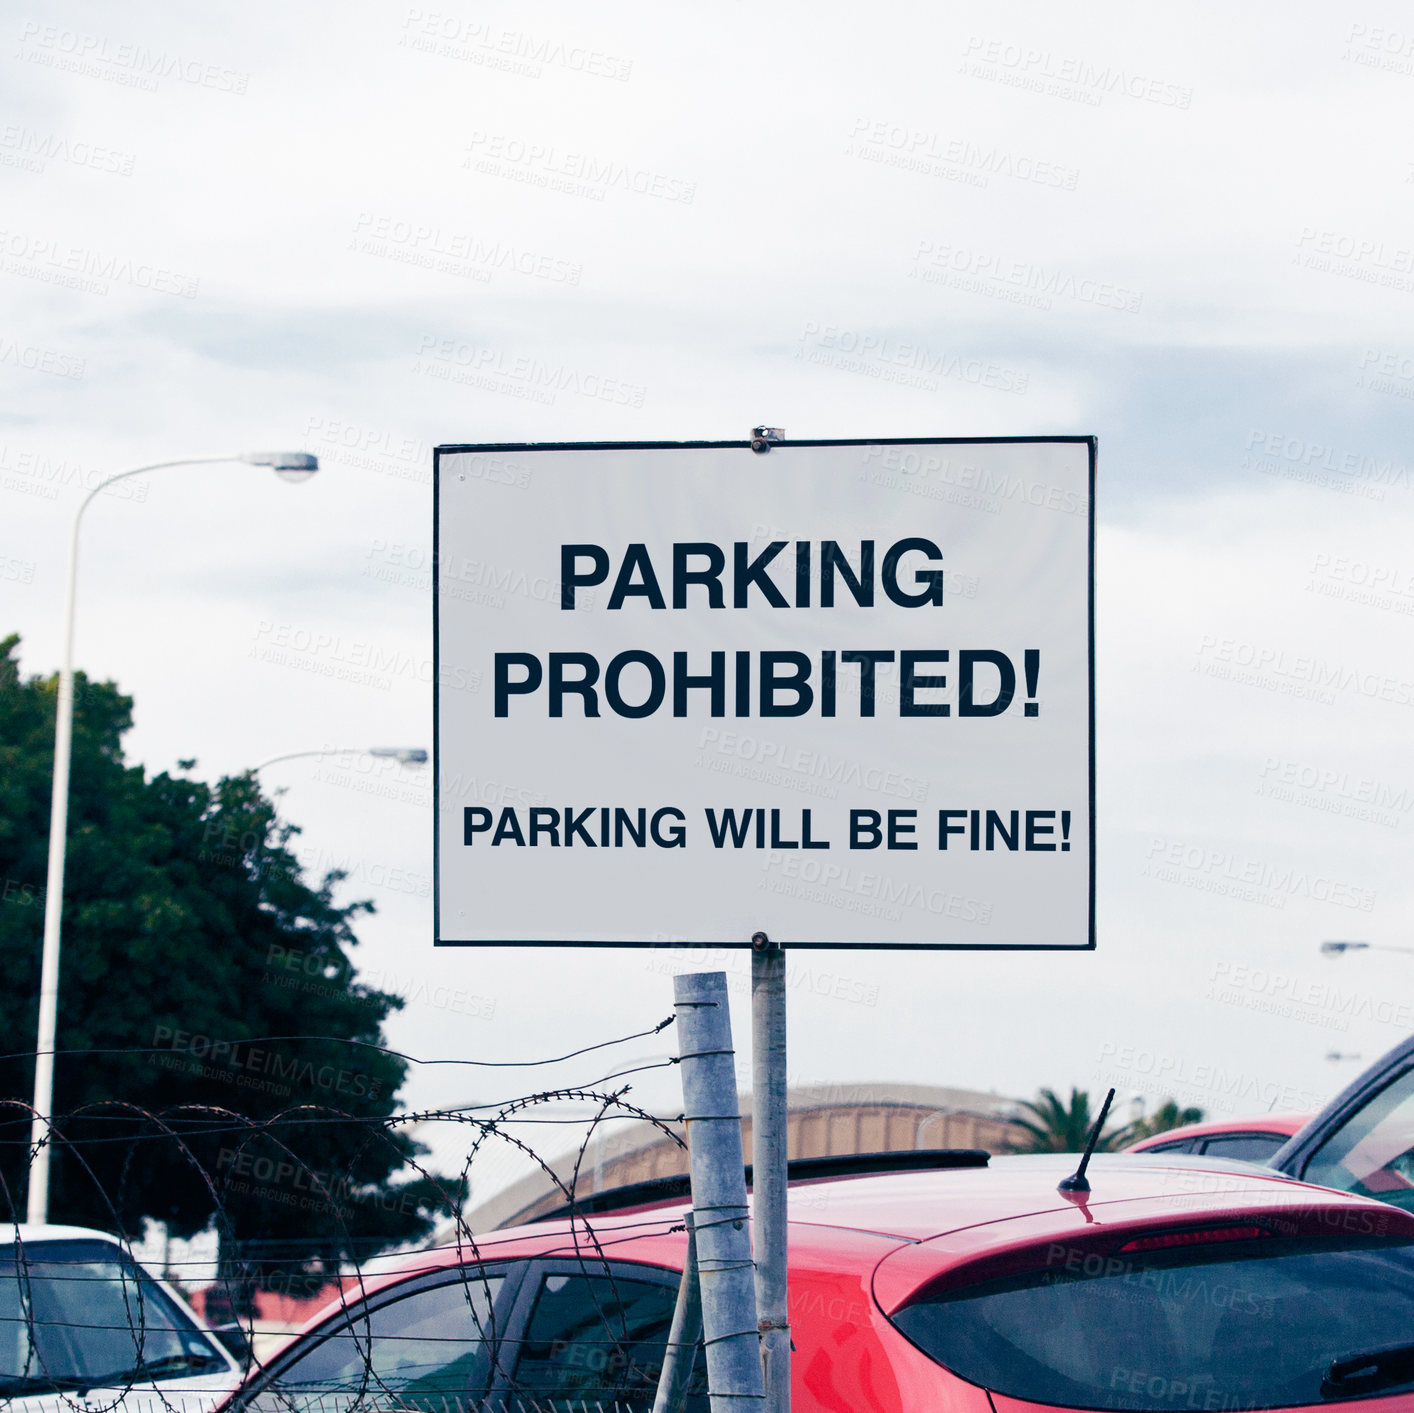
(1168, 1115)
(1051, 1125)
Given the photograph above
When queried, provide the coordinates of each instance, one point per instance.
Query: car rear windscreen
(1236, 1324)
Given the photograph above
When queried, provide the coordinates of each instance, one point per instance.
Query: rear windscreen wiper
(1375, 1369)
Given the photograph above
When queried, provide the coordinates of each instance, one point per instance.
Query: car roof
(1282, 1125)
(50, 1231)
(917, 1206)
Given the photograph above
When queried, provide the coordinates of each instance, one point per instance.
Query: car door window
(427, 1350)
(1372, 1153)
(595, 1341)
(1249, 1147)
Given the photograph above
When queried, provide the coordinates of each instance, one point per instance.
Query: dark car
(1363, 1140)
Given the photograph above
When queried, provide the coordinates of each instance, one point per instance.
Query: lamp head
(287, 465)
(404, 755)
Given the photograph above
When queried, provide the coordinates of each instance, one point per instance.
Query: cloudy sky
(370, 228)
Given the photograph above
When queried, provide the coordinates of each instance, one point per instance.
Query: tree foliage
(1169, 1114)
(189, 933)
(1054, 1125)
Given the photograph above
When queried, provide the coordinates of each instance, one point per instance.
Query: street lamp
(289, 466)
(1336, 949)
(404, 755)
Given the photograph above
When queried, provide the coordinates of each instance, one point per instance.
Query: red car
(965, 1284)
(1250, 1140)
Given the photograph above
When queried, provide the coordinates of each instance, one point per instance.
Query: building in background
(825, 1120)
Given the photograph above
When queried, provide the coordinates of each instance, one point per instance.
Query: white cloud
(312, 261)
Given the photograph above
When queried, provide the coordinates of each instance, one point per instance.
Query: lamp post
(289, 466)
(404, 755)
(1336, 949)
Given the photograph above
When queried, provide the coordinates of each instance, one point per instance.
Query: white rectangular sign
(840, 692)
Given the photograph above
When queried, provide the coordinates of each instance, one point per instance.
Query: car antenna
(1077, 1181)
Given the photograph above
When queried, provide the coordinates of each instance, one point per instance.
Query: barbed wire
(317, 1207)
(345, 1040)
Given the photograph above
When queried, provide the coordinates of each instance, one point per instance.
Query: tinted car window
(1372, 1153)
(426, 1350)
(1183, 1145)
(1249, 1147)
(1199, 1327)
(81, 1313)
(598, 1341)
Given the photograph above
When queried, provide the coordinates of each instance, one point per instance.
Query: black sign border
(462, 448)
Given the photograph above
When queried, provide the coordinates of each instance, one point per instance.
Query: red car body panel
(1393, 1403)
(861, 1247)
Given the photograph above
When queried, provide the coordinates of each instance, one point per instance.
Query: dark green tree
(1051, 1124)
(189, 933)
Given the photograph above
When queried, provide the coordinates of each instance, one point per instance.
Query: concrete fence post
(725, 1271)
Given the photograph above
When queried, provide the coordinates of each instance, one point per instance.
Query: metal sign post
(770, 1135)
